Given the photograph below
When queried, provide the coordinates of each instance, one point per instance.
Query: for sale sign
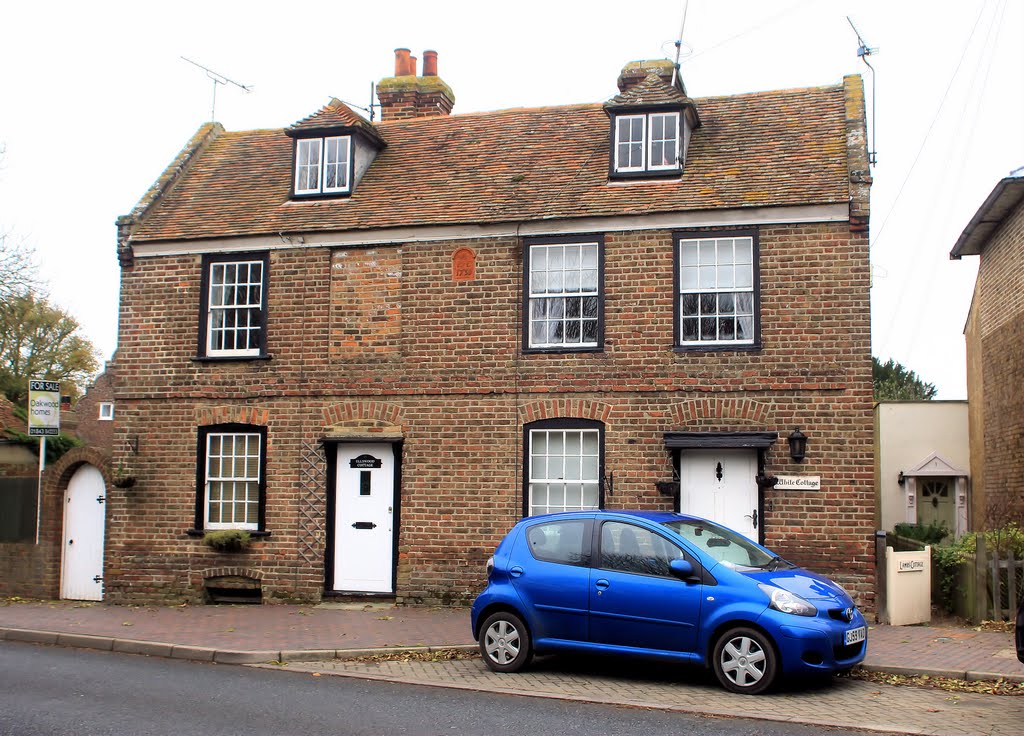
(43, 408)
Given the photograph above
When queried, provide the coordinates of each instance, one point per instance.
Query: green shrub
(930, 534)
(228, 540)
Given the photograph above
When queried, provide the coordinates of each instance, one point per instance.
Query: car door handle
(602, 584)
(515, 571)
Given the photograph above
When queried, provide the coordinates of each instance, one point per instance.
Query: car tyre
(505, 642)
(745, 661)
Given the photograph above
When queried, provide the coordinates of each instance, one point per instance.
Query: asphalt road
(45, 691)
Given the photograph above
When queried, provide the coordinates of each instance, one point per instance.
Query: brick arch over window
(374, 416)
(234, 572)
(719, 413)
(536, 411)
(210, 415)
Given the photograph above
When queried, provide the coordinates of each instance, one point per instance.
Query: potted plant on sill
(228, 540)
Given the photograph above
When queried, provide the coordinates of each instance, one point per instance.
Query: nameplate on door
(798, 483)
(364, 461)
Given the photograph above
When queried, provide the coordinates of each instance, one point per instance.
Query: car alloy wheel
(505, 642)
(745, 661)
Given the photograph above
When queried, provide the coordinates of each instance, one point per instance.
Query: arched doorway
(84, 531)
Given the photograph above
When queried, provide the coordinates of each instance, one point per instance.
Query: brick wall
(383, 338)
(1000, 340)
(90, 428)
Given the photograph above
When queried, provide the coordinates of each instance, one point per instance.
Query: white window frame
(106, 411)
(619, 121)
(651, 140)
(308, 145)
(340, 159)
(251, 311)
(734, 283)
(582, 470)
(249, 478)
(647, 142)
(572, 279)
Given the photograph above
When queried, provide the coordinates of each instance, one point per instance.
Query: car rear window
(557, 541)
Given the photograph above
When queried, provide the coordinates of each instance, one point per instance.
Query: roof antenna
(217, 79)
(864, 51)
(679, 44)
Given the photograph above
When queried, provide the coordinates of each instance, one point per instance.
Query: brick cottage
(376, 345)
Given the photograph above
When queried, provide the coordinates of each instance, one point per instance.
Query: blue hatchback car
(663, 585)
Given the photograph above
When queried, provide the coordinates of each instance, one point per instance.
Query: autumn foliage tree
(40, 340)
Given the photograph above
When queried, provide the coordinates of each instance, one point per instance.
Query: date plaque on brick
(463, 265)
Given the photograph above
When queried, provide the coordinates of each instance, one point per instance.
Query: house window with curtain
(563, 300)
(717, 299)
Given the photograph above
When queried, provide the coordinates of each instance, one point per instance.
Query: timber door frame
(331, 452)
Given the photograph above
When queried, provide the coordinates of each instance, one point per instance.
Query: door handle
(753, 517)
(515, 571)
(602, 584)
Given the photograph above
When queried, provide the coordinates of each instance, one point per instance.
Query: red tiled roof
(753, 150)
(336, 114)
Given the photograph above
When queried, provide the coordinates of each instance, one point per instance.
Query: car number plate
(853, 636)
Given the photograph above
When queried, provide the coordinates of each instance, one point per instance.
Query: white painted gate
(721, 485)
(85, 507)
(363, 518)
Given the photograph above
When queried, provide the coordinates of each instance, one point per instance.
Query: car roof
(657, 517)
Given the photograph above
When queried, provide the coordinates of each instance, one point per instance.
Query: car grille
(847, 651)
(839, 614)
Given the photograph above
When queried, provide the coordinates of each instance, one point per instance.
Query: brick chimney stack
(406, 95)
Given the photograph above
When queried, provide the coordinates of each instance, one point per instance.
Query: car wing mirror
(683, 569)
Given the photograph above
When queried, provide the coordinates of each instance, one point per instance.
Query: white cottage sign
(798, 483)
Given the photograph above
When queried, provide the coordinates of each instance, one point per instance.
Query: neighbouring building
(374, 346)
(995, 354)
(923, 464)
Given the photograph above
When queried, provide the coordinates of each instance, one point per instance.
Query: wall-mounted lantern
(797, 445)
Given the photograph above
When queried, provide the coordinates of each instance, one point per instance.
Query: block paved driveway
(839, 702)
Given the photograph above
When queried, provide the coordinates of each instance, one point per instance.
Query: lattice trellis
(312, 503)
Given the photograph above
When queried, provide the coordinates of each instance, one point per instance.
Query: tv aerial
(864, 51)
(217, 79)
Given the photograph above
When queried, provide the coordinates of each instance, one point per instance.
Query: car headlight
(783, 600)
(490, 565)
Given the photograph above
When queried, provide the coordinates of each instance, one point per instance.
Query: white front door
(84, 523)
(721, 485)
(364, 505)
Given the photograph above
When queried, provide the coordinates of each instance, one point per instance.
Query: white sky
(95, 101)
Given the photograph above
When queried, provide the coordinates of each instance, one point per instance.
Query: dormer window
(652, 121)
(323, 165)
(647, 142)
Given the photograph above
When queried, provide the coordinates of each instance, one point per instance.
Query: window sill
(259, 533)
(561, 349)
(745, 348)
(295, 197)
(622, 176)
(230, 358)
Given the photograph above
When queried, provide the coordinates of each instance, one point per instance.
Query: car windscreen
(728, 547)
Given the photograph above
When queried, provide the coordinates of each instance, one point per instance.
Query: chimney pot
(401, 62)
(412, 66)
(429, 63)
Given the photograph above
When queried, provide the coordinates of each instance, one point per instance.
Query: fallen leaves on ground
(951, 684)
(439, 655)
